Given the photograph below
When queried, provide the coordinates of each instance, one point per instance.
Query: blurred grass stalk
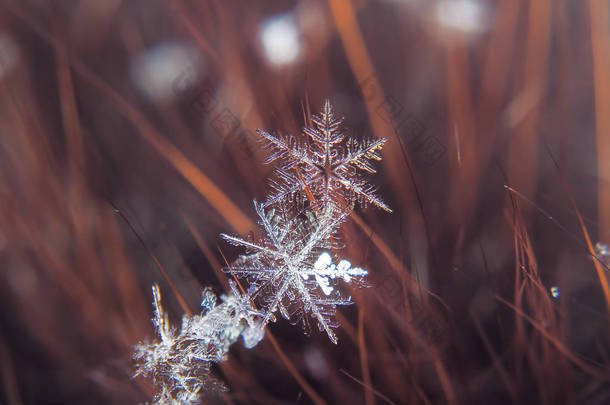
(460, 311)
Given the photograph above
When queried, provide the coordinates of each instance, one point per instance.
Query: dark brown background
(461, 309)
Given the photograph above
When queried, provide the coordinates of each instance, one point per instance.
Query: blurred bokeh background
(127, 145)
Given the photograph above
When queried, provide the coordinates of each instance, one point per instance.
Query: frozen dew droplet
(343, 266)
(601, 249)
(324, 260)
(324, 284)
(555, 292)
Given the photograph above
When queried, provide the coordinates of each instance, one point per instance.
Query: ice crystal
(180, 362)
(323, 269)
(326, 165)
(289, 270)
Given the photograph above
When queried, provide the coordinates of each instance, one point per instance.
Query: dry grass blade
(154, 108)
(603, 374)
(313, 395)
(368, 387)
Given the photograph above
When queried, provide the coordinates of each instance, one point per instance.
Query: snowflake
(289, 270)
(326, 167)
(180, 363)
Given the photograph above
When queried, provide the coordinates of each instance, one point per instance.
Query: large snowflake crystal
(325, 166)
(290, 270)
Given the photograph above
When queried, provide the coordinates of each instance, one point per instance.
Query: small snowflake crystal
(180, 362)
(325, 165)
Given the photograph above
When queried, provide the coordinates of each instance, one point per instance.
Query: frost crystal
(289, 269)
(290, 272)
(180, 362)
(324, 269)
(326, 165)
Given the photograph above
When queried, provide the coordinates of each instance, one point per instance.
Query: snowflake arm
(284, 148)
(359, 154)
(288, 186)
(366, 193)
(234, 240)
